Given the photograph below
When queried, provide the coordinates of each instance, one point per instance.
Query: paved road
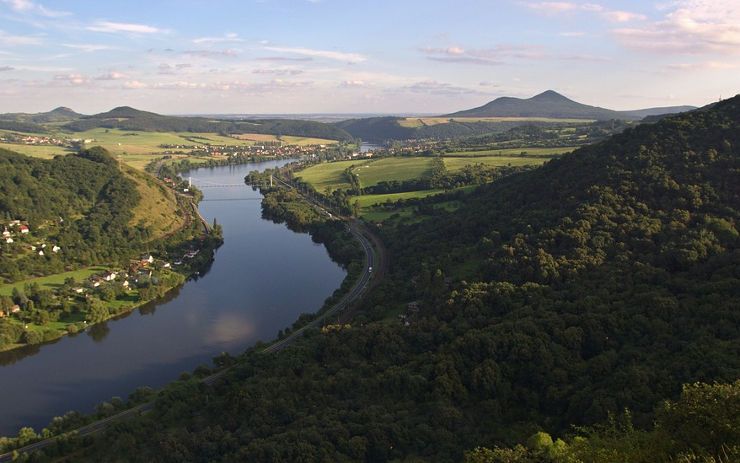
(275, 347)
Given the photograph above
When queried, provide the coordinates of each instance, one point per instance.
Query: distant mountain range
(551, 104)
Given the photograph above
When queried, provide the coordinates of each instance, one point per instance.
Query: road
(353, 295)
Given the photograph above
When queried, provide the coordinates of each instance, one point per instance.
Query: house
(8, 240)
(6, 232)
(24, 229)
(78, 290)
(56, 248)
(110, 276)
(15, 309)
(41, 253)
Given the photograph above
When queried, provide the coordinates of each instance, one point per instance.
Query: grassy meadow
(52, 282)
(36, 151)
(457, 163)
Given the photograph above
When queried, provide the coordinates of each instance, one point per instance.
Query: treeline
(126, 118)
(477, 133)
(20, 126)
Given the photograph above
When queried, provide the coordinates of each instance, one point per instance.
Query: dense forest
(605, 281)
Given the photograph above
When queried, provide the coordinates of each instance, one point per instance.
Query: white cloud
(227, 38)
(553, 8)
(113, 27)
(692, 27)
(87, 47)
(211, 53)
(73, 79)
(355, 84)
(6, 68)
(135, 85)
(438, 88)
(484, 56)
(28, 7)
(9, 39)
(278, 72)
(112, 76)
(707, 65)
(328, 54)
(623, 16)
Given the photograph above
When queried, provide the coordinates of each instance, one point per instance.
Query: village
(16, 230)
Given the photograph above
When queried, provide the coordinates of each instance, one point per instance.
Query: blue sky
(346, 56)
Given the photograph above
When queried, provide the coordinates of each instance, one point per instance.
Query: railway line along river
(263, 277)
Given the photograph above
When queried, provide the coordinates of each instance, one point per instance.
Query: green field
(52, 282)
(371, 172)
(328, 175)
(366, 201)
(306, 141)
(454, 164)
(393, 169)
(512, 152)
(37, 151)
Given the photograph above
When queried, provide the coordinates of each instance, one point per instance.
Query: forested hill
(546, 104)
(552, 104)
(127, 118)
(602, 281)
(81, 203)
(60, 114)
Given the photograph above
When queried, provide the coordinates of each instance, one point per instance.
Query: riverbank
(104, 292)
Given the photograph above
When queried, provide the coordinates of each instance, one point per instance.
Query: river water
(263, 277)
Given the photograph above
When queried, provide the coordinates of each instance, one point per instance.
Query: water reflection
(228, 328)
(99, 331)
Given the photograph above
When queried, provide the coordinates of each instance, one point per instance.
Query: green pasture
(328, 175)
(390, 169)
(306, 141)
(36, 151)
(366, 201)
(52, 282)
(454, 164)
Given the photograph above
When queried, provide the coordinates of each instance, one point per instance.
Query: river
(263, 277)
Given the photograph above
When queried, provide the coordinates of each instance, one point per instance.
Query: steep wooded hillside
(82, 203)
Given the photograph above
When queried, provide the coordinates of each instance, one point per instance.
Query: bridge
(208, 184)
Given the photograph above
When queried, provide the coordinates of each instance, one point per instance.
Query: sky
(349, 56)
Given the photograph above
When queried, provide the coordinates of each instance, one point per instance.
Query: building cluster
(138, 271)
(16, 229)
(266, 150)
